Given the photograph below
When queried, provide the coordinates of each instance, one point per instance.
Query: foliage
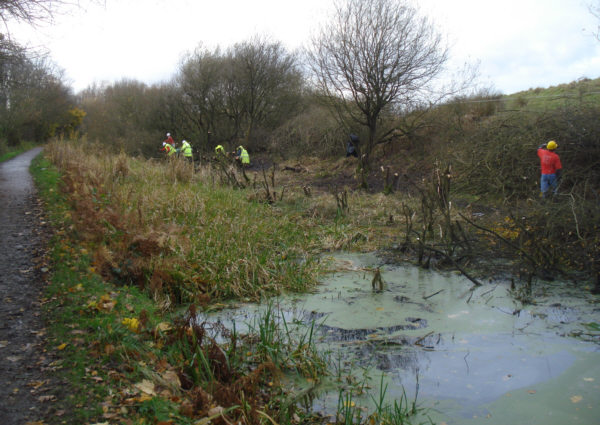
(34, 102)
(234, 97)
(123, 116)
(7, 153)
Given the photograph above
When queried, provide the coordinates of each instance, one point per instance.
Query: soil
(23, 393)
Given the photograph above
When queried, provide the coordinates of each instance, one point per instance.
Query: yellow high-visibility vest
(186, 149)
(245, 157)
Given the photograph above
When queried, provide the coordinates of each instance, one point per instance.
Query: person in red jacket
(169, 140)
(551, 167)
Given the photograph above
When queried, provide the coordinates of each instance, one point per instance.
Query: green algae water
(470, 355)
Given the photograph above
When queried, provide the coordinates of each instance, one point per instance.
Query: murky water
(480, 356)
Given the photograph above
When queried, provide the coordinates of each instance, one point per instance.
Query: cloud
(518, 43)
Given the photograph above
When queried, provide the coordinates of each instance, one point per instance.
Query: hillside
(583, 90)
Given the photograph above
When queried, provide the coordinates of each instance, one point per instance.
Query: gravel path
(22, 357)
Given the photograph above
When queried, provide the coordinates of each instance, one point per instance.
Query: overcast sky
(519, 44)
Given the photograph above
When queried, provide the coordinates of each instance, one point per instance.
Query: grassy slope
(552, 97)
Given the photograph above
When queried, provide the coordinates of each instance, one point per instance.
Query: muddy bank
(24, 383)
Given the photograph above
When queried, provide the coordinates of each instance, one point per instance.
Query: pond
(471, 355)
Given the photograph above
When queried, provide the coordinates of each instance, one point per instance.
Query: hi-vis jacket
(243, 154)
(168, 149)
(186, 149)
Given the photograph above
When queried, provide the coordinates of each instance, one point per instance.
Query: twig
(435, 293)
(575, 216)
(467, 275)
(472, 290)
(506, 241)
(491, 290)
(418, 341)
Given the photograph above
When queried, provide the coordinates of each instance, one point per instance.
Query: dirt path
(22, 358)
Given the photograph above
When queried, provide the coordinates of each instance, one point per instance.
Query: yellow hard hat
(551, 145)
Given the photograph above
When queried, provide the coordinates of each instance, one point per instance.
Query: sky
(516, 44)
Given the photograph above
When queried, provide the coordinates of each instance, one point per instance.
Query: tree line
(258, 93)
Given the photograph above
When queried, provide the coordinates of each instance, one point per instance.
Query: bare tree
(31, 11)
(34, 12)
(203, 94)
(262, 75)
(241, 94)
(375, 55)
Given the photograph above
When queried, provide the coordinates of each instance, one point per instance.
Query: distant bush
(313, 132)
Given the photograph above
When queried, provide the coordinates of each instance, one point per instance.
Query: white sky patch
(519, 44)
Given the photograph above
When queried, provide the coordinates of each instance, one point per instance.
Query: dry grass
(162, 226)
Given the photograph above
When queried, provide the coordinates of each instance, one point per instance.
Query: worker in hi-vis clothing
(186, 151)
(242, 156)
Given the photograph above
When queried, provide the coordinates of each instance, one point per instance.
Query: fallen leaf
(132, 323)
(172, 378)
(3, 344)
(143, 397)
(217, 410)
(163, 327)
(61, 346)
(109, 349)
(146, 387)
(44, 398)
(379, 309)
(588, 379)
(36, 384)
(576, 398)
(531, 391)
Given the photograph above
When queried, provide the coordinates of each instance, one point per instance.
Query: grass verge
(9, 153)
(121, 358)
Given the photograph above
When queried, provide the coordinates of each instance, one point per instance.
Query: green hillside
(582, 90)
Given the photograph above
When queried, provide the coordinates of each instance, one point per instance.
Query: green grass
(540, 99)
(7, 153)
(84, 315)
